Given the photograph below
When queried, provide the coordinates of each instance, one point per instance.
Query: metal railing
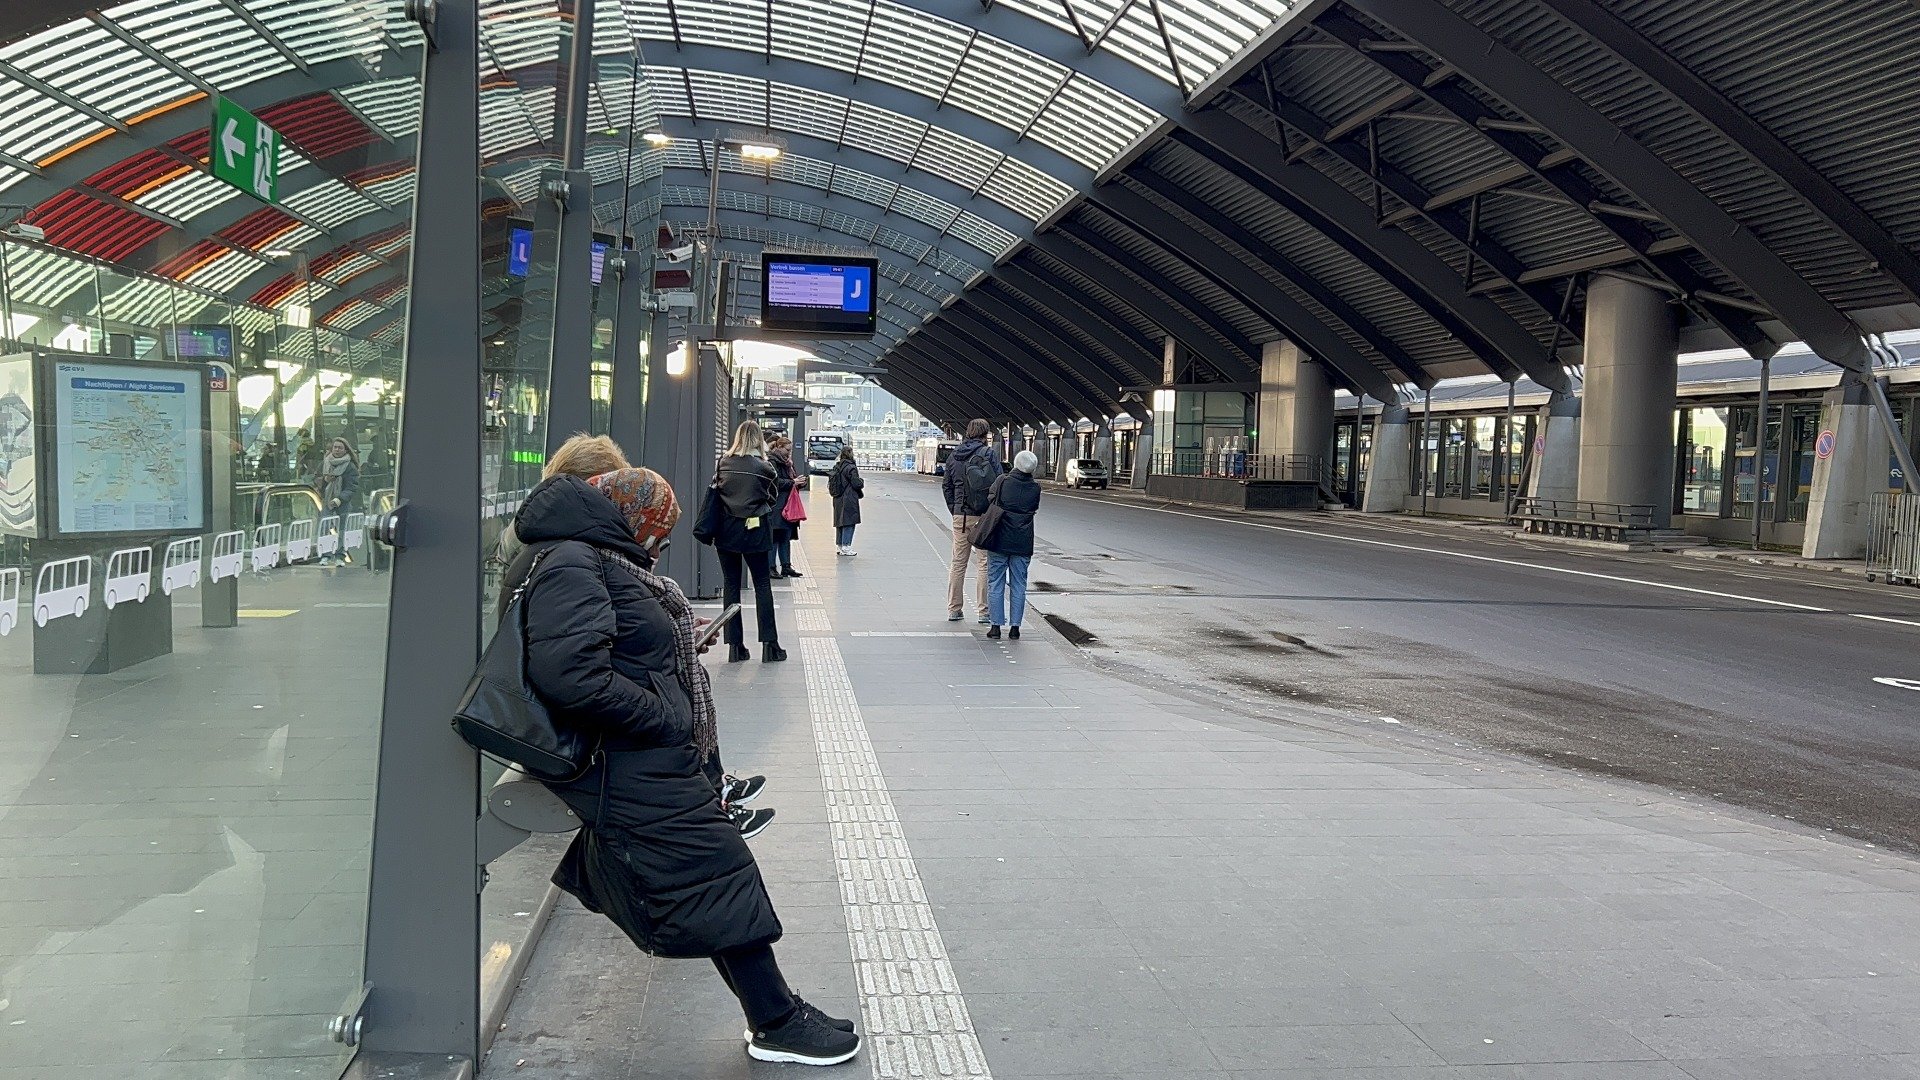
(1239, 465)
(1585, 512)
(1893, 537)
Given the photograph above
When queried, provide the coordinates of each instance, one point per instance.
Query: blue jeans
(1004, 570)
(843, 536)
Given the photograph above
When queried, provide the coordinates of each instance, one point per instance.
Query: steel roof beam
(1761, 146)
(910, 103)
(1266, 253)
(985, 384)
(1260, 295)
(1716, 234)
(1046, 367)
(1097, 319)
(1506, 347)
(1097, 372)
(985, 350)
(1149, 292)
(1564, 179)
(933, 397)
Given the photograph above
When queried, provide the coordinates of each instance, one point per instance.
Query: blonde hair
(585, 456)
(748, 440)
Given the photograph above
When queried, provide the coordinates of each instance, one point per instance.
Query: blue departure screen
(817, 293)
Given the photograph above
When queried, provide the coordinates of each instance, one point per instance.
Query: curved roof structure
(1060, 190)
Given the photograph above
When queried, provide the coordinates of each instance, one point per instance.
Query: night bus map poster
(128, 447)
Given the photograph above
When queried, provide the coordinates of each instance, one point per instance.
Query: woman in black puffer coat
(748, 489)
(610, 648)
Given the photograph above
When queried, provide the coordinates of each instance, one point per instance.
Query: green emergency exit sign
(246, 152)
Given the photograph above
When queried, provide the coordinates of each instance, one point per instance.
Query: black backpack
(977, 478)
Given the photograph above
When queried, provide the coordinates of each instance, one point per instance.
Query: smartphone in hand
(712, 633)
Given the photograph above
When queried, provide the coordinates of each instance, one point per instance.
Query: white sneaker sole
(758, 1053)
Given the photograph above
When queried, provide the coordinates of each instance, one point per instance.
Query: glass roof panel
(392, 106)
(85, 61)
(923, 208)
(185, 196)
(330, 203)
(395, 189)
(968, 162)
(225, 271)
(1090, 124)
(42, 277)
(813, 112)
(821, 31)
(38, 126)
(205, 37)
(728, 23)
(912, 50)
(521, 33)
(984, 235)
(322, 30)
(1003, 83)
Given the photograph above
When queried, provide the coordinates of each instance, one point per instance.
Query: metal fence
(1239, 465)
(1893, 537)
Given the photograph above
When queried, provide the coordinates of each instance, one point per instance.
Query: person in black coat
(1009, 545)
(847, 489)
(748, 489)
(780, 456)
(610, 648)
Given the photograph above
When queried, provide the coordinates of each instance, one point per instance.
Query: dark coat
(657, 856)
(847, 489)
(784, 479)
(954, 484)
(748, 487)
(1019, 497)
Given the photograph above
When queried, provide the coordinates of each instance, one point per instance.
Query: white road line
(914, 1017)
(1503, 562)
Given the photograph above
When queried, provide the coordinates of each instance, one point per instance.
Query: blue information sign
(519, 252)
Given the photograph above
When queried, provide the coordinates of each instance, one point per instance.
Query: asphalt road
(1748, 684)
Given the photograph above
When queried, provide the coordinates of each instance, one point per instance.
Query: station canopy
(1065, 195)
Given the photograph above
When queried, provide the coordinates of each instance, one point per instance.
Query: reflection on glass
(191, 636)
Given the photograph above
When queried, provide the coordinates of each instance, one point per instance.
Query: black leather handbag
(502, 716)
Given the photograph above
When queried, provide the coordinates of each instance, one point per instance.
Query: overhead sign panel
(245, 152)
(818, 295)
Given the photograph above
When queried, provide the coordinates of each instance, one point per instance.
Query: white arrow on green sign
(246, 152)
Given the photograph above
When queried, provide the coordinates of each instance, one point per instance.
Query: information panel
(128, 447)
(19, 497)
(818, 294)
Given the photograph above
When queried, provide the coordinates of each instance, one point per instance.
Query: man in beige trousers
(971, 470)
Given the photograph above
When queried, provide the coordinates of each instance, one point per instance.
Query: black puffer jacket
(658, 856)
(747, 489)
(1019, 498)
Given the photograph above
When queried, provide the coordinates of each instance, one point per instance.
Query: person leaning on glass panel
(611, 647)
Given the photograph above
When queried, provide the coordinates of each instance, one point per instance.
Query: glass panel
(1804, 423)
(190, 637)
(1703, 457)
(1482, 439)
(1453, 466)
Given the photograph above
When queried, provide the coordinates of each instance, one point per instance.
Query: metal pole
(1426, 458)
(1506, 448)
(1760, 444)
(423, 908)
(580, 76)
(709, 297)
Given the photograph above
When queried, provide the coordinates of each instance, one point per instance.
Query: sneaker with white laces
(736, 791)
(807, 1037)
(751, 823)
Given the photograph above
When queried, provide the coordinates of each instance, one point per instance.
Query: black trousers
(756, 564)
(754, 977)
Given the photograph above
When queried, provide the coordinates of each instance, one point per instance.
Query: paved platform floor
(1011, 864)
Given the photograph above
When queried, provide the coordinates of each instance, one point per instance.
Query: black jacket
(847, 489)
(784, 480)
(658, 856)
(954, 484)
(1019, 497)
(747, 488)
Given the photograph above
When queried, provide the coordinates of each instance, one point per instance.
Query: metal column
(1760, 445)
(626, 420)
(423, 912)
(570, 379)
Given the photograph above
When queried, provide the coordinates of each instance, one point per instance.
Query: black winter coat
(847, 489)
(657, 856)
(1019, 497)
(748, 488)
(784, 481)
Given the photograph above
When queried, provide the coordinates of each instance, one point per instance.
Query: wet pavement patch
(1072, 631)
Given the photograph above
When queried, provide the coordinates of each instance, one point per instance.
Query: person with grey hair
(1008, 543)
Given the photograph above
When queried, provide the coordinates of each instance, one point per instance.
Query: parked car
(1086, 472)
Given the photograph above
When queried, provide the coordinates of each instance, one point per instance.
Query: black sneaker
(735, 791)
(808, 1037)
(751, 823)
(1013, 632)
(843, 1025)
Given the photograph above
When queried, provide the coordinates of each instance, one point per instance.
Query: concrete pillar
(1556, 451)
(1850, 455)
(1103, 446)
(1142, 456)
(1295, 413)
(1626, 427)
(1390, 464)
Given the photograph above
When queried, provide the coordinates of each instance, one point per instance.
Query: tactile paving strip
(915, 1020)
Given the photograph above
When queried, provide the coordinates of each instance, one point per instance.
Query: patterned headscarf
(644, 498)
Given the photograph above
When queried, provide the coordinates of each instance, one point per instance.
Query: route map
(128, 448)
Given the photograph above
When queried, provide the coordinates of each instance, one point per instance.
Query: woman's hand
(699, 625)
